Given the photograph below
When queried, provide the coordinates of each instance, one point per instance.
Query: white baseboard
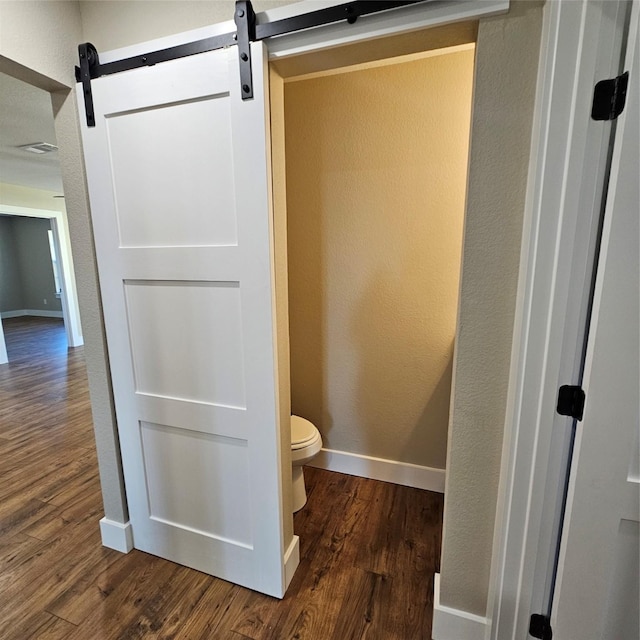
(454, 624)
(18, 313)
(116, 535)
(291, 560)
(409, 475)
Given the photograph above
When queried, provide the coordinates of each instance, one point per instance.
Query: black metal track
(247, 31)
(163, 55)
(349, 11)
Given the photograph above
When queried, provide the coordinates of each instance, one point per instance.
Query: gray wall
(10, 286)
(26, 272)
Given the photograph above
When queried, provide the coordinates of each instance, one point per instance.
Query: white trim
(454, 624)
(553, 270)
(42, 313)
(403, 20)
(116, 535)
(404, 473)
(4, 358)
(291, 560)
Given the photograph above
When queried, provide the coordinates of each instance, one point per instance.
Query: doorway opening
(37, 277)
(370, 154)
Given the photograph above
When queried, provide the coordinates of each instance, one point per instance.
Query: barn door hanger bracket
(88, 60)
(245, 20)
(248, 31)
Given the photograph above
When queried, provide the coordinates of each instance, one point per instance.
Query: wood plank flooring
(368, 549)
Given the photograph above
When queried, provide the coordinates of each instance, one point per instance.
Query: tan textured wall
(376, 174)
(506, 67)
(42, 37)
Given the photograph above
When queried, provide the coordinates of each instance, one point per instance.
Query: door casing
(554, 277)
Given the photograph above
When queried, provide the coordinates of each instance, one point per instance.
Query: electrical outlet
(45, 301)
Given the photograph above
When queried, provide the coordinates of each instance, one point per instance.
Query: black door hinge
(609, 97)
(571, 401)
(540, 627)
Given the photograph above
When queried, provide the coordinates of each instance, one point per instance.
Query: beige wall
(506, 67)
(19, 196)
(110, 24)
(40, 39)
(376, 175)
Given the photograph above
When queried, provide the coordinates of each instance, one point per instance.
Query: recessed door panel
(186, 340)
(216, 475)
(170, 187)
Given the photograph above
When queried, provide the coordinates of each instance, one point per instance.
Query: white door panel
(177, 168)
(597, 594)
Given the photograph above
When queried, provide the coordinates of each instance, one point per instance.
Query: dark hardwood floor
(368, 549)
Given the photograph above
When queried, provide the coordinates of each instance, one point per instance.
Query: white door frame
(69, 295)
(4, 358)
(545, 292)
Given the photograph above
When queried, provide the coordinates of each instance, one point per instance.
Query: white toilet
(306, 442)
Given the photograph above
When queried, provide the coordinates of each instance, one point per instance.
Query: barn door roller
(248, 31)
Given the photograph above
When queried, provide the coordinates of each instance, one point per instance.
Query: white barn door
(597, 594)
(178, 175)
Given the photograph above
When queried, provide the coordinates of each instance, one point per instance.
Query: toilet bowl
(306, 442)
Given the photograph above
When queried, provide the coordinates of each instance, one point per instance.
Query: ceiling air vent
(38, 147)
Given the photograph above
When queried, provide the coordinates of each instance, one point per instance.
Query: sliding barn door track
(247, 31)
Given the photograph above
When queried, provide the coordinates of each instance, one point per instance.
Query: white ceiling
(25, 117)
